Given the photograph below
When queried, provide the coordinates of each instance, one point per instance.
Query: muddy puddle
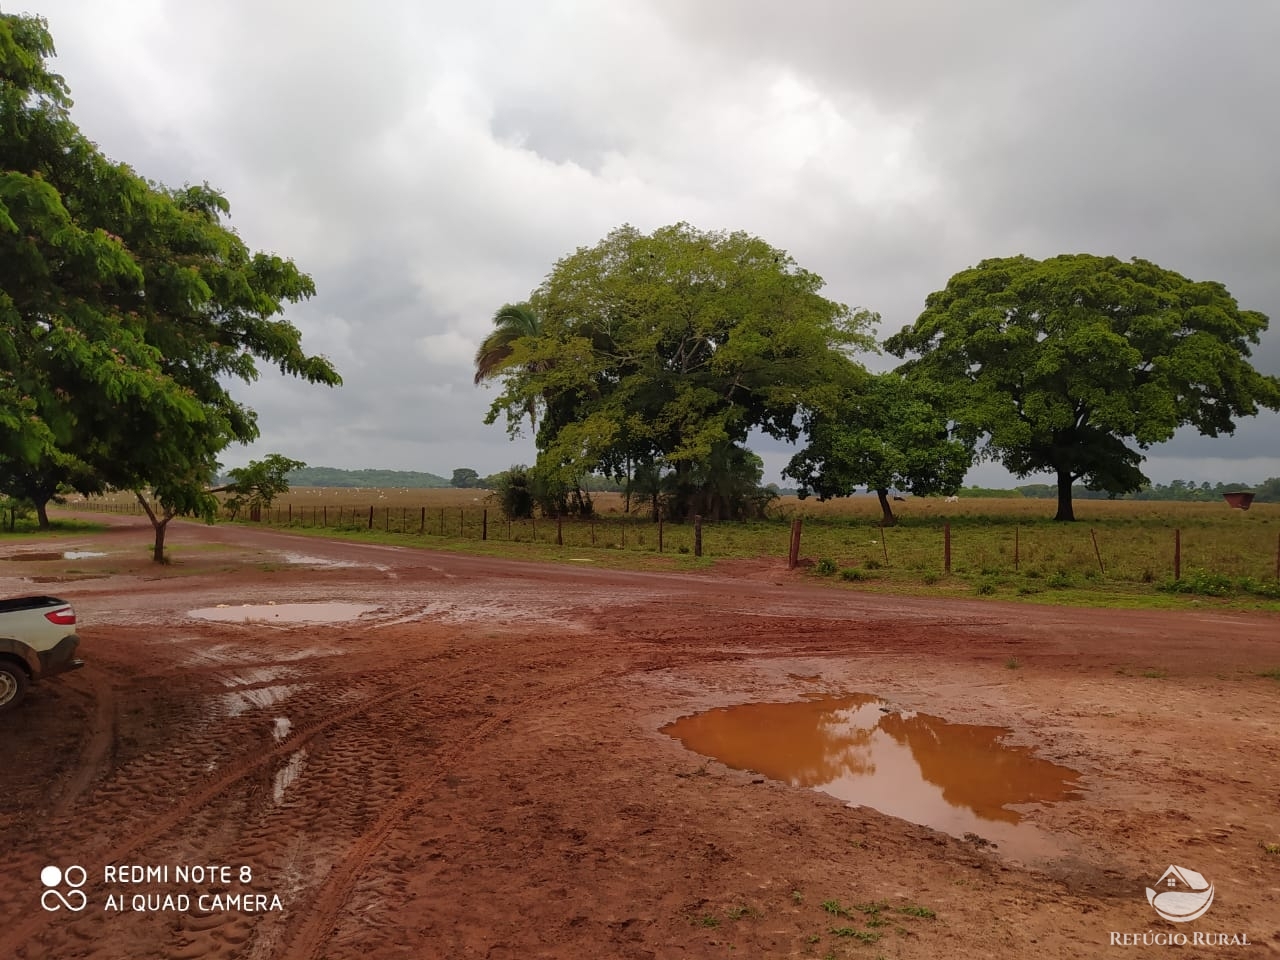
(962, 779)
(320, 612)
(54, 555)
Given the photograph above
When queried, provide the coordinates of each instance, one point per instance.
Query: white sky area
(428, 162)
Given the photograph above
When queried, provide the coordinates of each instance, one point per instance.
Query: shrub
(853, 574)
(826, 567)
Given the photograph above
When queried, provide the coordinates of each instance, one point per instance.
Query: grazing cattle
(953, 500)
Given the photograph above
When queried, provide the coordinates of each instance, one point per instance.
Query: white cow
(952, 500)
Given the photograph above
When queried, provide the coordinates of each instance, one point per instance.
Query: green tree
(662, 351)
(881, 435)
(465, 477)
(259, 482)
(125, 308)
(1075, 364)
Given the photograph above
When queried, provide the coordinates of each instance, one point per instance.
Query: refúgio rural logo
(1181, 895)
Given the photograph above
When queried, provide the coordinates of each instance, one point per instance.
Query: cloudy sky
(427, 162)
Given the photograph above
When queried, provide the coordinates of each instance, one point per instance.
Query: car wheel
(13, 684)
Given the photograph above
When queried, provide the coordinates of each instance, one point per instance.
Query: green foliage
(465, 478)
(1076, 364)
(514, 493)
(257, 484)
(656, 354)
(881, 434)
(1206, 584)
(126, 308)
(825, 567)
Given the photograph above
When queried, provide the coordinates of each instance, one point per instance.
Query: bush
(826, 567)
(1060, 580)
(1207, 584)
(854, 575)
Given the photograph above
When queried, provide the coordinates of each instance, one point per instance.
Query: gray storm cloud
(429, 162)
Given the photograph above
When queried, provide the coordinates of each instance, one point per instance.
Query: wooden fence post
(484, 524)
(697, 535)
(659, 534)
(1015, 546)
(559, 531)
(324, 515)
(793, 549)
(462, 522)
(386, 520)
(593, 531)
(291, 513)
(1177, 555)
(1098, 553)
(946, 548)
(422, 520)
(370, 517)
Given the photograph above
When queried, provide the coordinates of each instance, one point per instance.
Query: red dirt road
(474, 768)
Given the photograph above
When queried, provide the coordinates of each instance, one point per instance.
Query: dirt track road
(474, 766)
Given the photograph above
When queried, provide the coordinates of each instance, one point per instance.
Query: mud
(477, 769)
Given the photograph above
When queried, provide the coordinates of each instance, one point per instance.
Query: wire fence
(1138, 550)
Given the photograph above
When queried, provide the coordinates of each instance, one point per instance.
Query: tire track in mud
(307, 940)
(97, 751)
(159, 823)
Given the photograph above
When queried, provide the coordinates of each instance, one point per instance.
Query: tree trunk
(157, 554)
(42, 512)
(888, 520)
(158, 523)
(1066, 512)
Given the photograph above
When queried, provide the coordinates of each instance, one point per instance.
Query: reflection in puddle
(82, 554)
(957, 778)
(284, 612)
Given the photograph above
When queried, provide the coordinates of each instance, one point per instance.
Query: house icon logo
(1181, 895)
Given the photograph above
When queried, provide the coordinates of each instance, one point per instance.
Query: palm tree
(511, 322)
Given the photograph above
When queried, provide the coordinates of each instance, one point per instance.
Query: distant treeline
(1266, 492)
(333, 477)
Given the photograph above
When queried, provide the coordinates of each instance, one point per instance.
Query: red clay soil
(475, 767)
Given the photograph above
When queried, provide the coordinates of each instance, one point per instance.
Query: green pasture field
(1118, 553)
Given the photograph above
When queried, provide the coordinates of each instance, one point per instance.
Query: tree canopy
(658, 353)
(1074, 364)
(882, 435)
(125, 309)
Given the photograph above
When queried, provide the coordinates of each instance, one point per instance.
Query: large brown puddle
(958, 778)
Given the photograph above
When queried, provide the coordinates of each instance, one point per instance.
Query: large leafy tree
(884, 434)
(1076, 364)
(659, 352)
(125, 309)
